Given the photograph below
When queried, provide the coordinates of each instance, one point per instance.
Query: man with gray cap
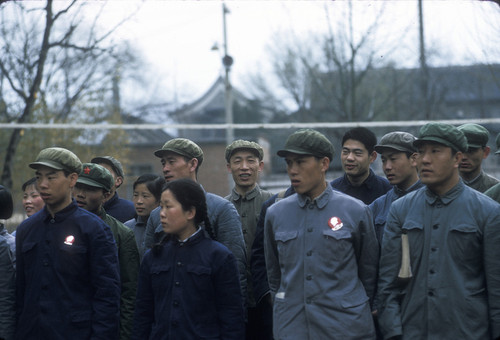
(399, 162)
(92, 189)
(440, 264)
(181, 158)
(121, 209)
(494, 191)
(244, 162)
(68, 283)
(321, 251)
(478, 150)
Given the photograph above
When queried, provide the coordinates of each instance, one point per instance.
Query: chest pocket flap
(341, 234)
(160, 268)
(412, 226)
(284, 236)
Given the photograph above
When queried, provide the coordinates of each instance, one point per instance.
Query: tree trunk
(15, 138)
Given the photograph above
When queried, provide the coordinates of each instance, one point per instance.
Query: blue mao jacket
(68, 284)
(380, 207)
(226, 224)
(371, 189)
(121, 209)
(190, 290)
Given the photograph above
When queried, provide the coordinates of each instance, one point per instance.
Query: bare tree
(51, 61)
(325, 75)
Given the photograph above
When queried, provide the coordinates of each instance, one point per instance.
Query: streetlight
(227, 61)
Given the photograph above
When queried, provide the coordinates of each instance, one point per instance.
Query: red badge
(335, 223)
(86, 170)
(69, 240)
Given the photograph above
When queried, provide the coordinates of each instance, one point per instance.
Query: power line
(268, 126)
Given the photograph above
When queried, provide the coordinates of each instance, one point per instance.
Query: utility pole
(227, 61)
(424, 71)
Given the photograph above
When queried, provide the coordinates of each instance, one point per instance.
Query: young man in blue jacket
(68, 284)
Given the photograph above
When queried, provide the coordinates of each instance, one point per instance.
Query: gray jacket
(248, 208)
(455, 261)
(321, 259)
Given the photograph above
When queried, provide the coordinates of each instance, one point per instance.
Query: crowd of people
(414, 255)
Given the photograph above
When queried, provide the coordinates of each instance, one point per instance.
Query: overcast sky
(176, 37)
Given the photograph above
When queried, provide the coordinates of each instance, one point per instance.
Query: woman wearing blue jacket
(188, 284)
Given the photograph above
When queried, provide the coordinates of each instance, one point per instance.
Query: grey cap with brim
(183, 147)
(398, 140)
(58, 159)
(308, 142)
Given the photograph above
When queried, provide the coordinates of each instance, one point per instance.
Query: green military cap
(246, 145)
(442, 133)
(59, 159)
(183, 147)
(498, 144)
(400, 141)
(97, 176)
(308, 142)
(477, 136)
(111, 161)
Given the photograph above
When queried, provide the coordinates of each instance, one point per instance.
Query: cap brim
(475, 146)
(284, 152)
(381, 148)
(90, 182)
(435, 140)
(53, 165)
(160, 152)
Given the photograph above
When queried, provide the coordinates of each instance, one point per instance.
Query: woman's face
(174, 219)
(144, 200)
(32, 201)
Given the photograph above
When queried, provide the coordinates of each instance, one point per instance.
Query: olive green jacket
(128, 256)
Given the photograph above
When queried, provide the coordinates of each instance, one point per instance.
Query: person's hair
(29, 182)
(189, 194)
(153, 182)
(6, 203)
(362, 135)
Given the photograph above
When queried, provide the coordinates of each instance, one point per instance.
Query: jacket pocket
(285, 242)
(160, 277)
(72, 259)
(464, 243)
(200, 278)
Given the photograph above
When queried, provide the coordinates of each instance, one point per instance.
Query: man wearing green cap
(440, 264)
(399, 162)
(245, 162)
(182, 158)
(121, 209)
(67, 275)
(477, 151)
(321, 251)
(92, 189)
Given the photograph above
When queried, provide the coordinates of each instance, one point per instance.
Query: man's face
(175, 166)
(471, 162)
(355, 158)
(54, 187)
(88, 197)
(307, 174)
(398, 168)
(245, 166)
(437, 166)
